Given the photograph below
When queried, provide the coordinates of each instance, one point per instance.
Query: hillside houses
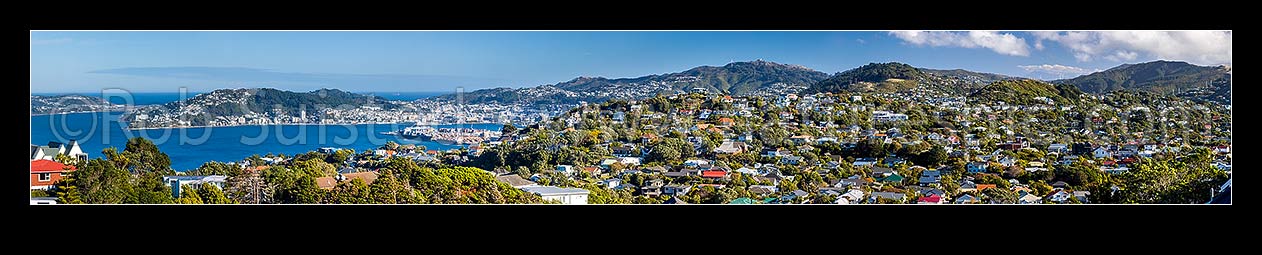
(764, 141)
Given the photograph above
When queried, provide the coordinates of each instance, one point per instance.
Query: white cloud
(861, 41)
(1060, 71)
(1002, 43)
(1198, 47)
(49, 41)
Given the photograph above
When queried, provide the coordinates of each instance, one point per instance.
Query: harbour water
(190, 147)
(146, 98)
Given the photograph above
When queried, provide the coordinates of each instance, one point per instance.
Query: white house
(566, 169)
(53, 149)
(611, 183)
(1059, 196)
(569, 196)
(1101, 152)
(864, 162)
(1058, 148)
(176, 181)
(853, 196)
(630, 161)
(1030, 199)
(888, 116)
(698, 163)
(730, 147)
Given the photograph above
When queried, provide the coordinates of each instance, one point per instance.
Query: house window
(45, 177)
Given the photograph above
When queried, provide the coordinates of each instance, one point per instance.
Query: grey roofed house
(843, 183)
(763, 189)
(658, 169)
(774, 174)
(35, 151)
(925, 180)
(45, 152)
(1030, 199)
(680, 173)
(800, 193)
(515, 180)
(889, 195)
(1082, 195)
(883, 171)
(1060, 184)
(730, 147)
(676, 189)
(965, 199)
(966, 184)
(835, 191)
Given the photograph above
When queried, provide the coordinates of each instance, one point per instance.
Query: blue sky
(398, 61)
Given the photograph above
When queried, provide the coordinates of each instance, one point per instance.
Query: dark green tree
(211, 194)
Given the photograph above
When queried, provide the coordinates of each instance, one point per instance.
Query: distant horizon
(420, 61)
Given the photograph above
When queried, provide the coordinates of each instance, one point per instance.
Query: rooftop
(48, 166)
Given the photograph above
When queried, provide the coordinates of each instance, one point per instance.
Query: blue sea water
(167, 97)
(190, 147)
(407, 96)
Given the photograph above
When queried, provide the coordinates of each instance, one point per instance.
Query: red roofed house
(1128, 160)
(981, 187)
(931, 199)
(713, 174)
(46, 172)
(726, 121)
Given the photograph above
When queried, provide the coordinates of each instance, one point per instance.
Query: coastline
(247, 125)
(301, 124)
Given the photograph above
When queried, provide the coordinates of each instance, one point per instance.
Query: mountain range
(738, 78)
(764, 77)
(1161, 77)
